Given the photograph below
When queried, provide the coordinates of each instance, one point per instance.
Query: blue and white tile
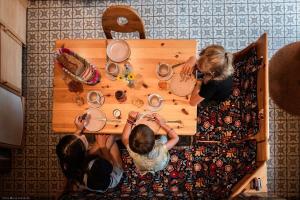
(230, 21)
(278, 8)
(278, 20)
(218, 21)
(206, 21)
(159, 22)
(89, 12)
(254, 9)
(207, 32)
(171, 33)
(242, 20)
(183, 33)
(159, 33)
(242, 9)
(230, 32)
(171, 10)
(218, 9)
(183, 21)
(230, 45)
(195, 21)
(206, 9)
(195, 9)
(230, 9)
(266, 8)
(183, 9)
(159, 10)
(147, 11)
(171, 21)
(219, 32)
(195, 33)
(242, 32)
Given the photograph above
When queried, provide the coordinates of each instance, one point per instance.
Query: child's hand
(79, 122)
(158, 119)
(188, 67)
(101, 140)
(133, 115)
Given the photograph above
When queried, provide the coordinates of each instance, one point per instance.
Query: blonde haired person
(215, 65)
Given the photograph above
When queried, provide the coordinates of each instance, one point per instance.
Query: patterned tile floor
(232, 23)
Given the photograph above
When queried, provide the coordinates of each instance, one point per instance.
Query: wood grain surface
(145, 55)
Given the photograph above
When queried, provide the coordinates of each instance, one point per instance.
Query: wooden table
(145, 55)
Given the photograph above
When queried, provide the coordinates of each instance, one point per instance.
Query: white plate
(94, 120)
(118, 50)
(144, 120)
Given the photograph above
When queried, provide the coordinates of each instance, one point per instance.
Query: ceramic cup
(112, 69)
(120, 95)
(117, 113)
(164, 69)
(94, 97)
(155, 100)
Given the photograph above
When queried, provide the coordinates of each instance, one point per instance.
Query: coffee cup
(112, 69)
(120, 95)
(164, 70)
(155, 100)
(94, 97)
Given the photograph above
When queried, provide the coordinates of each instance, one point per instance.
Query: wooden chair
(111, 21)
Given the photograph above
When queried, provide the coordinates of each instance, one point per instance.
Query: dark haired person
(148, 154)
(75, 153)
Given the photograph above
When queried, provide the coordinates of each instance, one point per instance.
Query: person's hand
(188, 67)
(101, 140)
(132, 115)
(79, 122)
(158, 119)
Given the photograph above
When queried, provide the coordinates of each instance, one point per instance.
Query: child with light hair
(216, 68)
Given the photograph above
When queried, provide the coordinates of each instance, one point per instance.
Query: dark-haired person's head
(71, 151)
(141, 139)
(98, 174)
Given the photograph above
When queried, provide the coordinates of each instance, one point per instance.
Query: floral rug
(206, 170)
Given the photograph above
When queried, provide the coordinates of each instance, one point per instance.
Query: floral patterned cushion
(206, 171)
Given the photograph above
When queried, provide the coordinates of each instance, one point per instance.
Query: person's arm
(128, 126)
(79, 122)
(189, 66)
(170, 132)
(195, 97)
(101, 148)
(172, 135)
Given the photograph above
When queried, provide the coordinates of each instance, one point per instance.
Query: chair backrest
(112, 21)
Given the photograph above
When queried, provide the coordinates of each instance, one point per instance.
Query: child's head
(98, 174)
(71, 151)
(141, 139)
(215, 63)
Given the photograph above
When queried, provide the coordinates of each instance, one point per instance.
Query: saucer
(163, 78)
(110, 77)
(93, 123)
(118, 50)
(96, 105)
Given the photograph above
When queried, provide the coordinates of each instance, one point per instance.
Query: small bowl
(155, 100)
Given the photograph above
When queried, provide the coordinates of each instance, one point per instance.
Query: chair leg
(142, 35)
(108, 35)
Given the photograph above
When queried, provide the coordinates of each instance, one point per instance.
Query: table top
(144, 58)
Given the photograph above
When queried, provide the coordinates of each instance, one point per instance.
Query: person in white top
(148, 154)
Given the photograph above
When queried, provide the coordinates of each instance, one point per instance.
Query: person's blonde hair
(215, 60)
